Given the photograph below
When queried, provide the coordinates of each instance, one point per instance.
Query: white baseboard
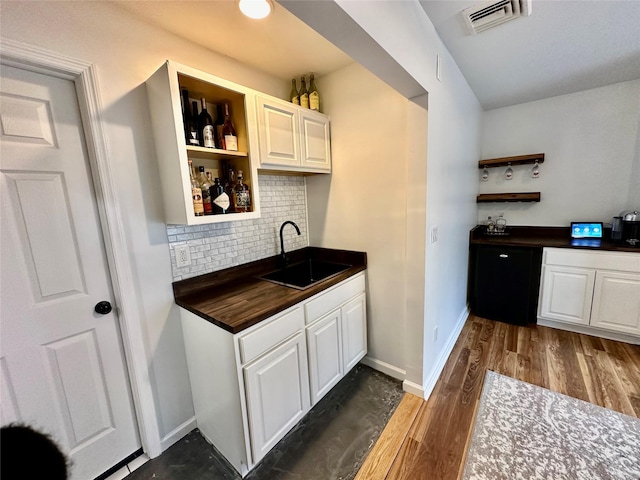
(384, 367)
(177, 433)
(435, 372)
(413, 388)
(588, 330)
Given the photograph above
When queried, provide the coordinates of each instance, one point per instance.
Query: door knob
(103, 307)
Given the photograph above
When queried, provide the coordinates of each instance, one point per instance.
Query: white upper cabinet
(292, 138)
(164, 94)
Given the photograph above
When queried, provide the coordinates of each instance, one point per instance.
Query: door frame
(83, 75)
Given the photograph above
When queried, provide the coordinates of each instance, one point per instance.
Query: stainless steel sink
(305, 274)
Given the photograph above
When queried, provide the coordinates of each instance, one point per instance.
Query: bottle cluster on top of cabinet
(271, 135)
(533, 159)
(305, 97)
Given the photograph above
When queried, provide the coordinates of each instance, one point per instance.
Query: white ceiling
(563, 47)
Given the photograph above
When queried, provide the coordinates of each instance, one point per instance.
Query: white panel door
(62, 364)
(277, 389)
(316, 144)
(278, 133)
(616, 302)
(354, 331)
(325, 355)
(566, 294)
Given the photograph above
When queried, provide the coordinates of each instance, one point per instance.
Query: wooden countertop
(235, 299)
(559, 237)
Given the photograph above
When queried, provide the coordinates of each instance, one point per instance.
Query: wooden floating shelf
(517, 160)
(508, 197)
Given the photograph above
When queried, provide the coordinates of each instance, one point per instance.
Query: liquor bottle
(304, 93)
(218, 125)
(314, 96)
(228, 187)
(196, 194)
(207, 137)
(228, 131)
(205, 184)
(219, 198)
(241, 195)
(191, 124)
(293, 96)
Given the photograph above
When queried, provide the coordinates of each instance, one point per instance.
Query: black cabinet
(504, 282)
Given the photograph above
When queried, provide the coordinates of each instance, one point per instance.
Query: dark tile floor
(329, 443)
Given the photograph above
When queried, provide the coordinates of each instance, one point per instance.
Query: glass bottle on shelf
(194, 133)
(228, 186)
(491, 226)
(304, 93)
(196, 193)
(219, 198)
(205, 184)
(241, 195)
(501, 224)
(218, 125)
(190, 124)
(228, 131)
(314, 96)
(206, 127)
(294, 97)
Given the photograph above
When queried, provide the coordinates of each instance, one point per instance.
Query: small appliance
(616, 229)
(631, 227)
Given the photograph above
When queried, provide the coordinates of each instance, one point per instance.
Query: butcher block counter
(558, 237)
(236, 298)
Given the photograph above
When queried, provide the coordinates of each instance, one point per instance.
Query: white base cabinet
(251, 388)
(599, 291)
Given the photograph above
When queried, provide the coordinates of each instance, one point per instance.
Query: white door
(325, 355)
(62, 364)
(278, 133)
(316, 145)
(567, 293)
(354, 331)
(277, 389)
(616, 302)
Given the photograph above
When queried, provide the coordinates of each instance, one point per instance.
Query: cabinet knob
(103, 307)
(504, 255)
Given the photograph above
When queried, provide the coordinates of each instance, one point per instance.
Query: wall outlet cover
(183, 255)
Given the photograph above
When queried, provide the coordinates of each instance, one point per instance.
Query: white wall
(126, 53)
(591, 142)
(405, 32)
(362, 205)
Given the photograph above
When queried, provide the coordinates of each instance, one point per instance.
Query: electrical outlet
(435, 334)
(183, 256)
(434, 234)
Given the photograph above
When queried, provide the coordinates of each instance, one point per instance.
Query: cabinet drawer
(327, 301)
(265, 337)
(621, 261)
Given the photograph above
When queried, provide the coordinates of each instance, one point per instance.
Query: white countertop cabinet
(251, 388)
(596, 293)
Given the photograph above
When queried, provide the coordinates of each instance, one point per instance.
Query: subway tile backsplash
(222, 245)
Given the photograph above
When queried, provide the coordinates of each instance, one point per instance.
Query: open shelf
(517, 160)
(508, 197)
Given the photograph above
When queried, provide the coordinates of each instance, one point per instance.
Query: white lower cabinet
(250, 389)
(597, 290)
(616, 302)
(277, 390)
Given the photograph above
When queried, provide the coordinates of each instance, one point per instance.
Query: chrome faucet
(283, 257)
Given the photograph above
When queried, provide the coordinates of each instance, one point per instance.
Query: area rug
(527, 432)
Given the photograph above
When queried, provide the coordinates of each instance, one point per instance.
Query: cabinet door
(277, 390)
(278, 133)
(316, 144)
(616, 302)
(567, 293)
(354, 331)
(325, 354)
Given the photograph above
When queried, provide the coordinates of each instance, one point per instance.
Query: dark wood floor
(427, 439)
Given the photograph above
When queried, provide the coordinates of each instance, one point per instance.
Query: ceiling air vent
(489, 14)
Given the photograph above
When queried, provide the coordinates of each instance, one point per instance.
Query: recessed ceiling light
(255, 8)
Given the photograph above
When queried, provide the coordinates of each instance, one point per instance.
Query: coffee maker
(631, 227)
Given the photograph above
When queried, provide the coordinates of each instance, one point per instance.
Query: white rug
(525, 432)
